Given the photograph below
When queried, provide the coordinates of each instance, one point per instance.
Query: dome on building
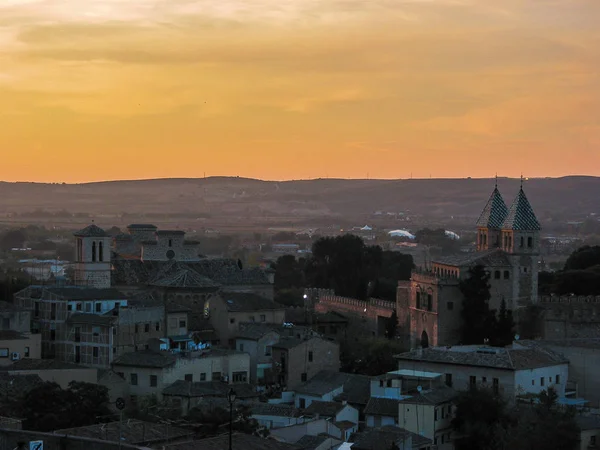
(401, 233)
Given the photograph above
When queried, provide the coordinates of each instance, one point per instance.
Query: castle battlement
(568, 299)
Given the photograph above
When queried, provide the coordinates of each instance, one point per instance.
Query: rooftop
(518, 357)
(76, 293)
(91, 231)
(311, 442)
(590, 343)
(92, 319)
(494, 213)
(379, 406)
(383, 438)
(148, 226)
(130, 431)
(436, 396)
(178, 275)
(356, 388)
(247, 301)
(325, 409)
(42, 364)
(255, 330)
(489, 258)
(521, 216)
(11, 335)
(241, 441)
(271, 409)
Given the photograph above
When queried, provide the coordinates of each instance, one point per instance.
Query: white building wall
(530, 381)
(328, 397)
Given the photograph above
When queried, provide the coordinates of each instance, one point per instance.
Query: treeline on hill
(580, 275)
(344, 264)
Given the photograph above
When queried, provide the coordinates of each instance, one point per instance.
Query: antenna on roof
(496, 180)
(521, 180)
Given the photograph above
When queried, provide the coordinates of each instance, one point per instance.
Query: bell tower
(490, 222)
(521, 240)
(92, 257)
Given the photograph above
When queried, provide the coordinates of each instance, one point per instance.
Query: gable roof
(521, 216)
(383, 438)
(494, 257)
(91, 231)
(248, 301)
(255, 330)
(379, 406)
(183, 388)
(271, 409)
(240, 440)
(355, 388)
(494, 213)
(178, 275)
(325, 409)
(516, 358)
(42, 364)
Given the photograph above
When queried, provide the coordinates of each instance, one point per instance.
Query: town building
(296, 360)
(514, 371)
(150, 372)
(387, 437)
(343, 416)
(508, 247)
(16, 340)
(51, 370)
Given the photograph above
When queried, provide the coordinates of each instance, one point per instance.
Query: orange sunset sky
(279, 89)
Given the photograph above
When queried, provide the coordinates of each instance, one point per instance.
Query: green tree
(478, 321)
(392, 326)
(369, 356)
(505, 327)
(583, 258)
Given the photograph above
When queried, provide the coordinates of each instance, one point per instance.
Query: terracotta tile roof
(91, 231)
(383, 438)
(269, 409)
(179, 275)
(521, 216)
(241, 441)
(520, 358)
(83, 293)
(130, 431)
(379, 406)
(494, 213)
(307, 442)
(436, 396)
(248, 301)
(489, 258)
(42, 364)
(356, 388)
(325, 409)
(182, 388)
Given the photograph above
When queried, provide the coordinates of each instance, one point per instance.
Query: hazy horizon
(288, 89)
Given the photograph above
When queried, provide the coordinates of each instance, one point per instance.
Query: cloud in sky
(284, 88)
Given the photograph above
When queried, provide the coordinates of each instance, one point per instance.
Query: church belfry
(490, 222)
(92, 257)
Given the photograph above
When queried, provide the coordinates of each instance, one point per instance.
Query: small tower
(521, 240)
(490, 222)
(92, 257)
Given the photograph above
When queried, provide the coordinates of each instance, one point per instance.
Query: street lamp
(230, 399)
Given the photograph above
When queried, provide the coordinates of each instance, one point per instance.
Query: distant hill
(231, 198)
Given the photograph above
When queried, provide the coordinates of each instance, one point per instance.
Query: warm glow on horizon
(287, 89)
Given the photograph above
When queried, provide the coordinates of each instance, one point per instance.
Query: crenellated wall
(567, 317)
(373, 312)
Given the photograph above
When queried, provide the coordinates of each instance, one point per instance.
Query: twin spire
(520, 216)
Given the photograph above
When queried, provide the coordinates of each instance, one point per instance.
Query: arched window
(93, 252)
(529, 242)
(424, 339)
(506, 274)
(170, 242)
(522, 242)
(100, 251)
(485, 239)
(497, 275)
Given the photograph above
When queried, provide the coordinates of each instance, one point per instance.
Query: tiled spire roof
(521, 216)
(494, 213)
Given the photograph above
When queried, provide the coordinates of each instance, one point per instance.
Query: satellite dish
(419, 388)
(517, 337)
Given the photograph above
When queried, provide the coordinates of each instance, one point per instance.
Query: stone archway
(424, 339)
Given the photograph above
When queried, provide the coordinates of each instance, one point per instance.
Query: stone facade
(146, 242)
(508, 247)
(92, 258)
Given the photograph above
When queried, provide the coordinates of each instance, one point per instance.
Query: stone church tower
(92, 258)
(521, 241)
(490, 222)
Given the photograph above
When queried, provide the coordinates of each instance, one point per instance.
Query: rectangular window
(302, 403)
(135, 328)
(268, 350)
(96, 331)
(203, 376)
(472, 381)
(157, 326)
(484, 380)
(133, 379)
(189, 377)
(263, 318)
(239, 377)
(533, 382)
(506, 274)
(450, 306)
(449, 379)
(542, 381)
(241, 347)
(52, 311)
(310, 356)
(496, 386)
(303, 376)
(232, 320)
(95, 352)
(26, 352)
(52, 335)
(435, 415)
(153, 380)
(557, 379)
(88, 307)
(443, 412)
(549, 379)
(182, 323)
(146, 328)
(98, 307)
(4, 352)
(429, 302)
(69, 307)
